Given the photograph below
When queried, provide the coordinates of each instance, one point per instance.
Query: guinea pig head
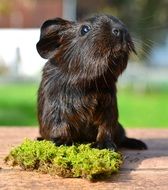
(86, 49)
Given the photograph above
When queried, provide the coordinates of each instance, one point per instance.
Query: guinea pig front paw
(60, 141)
(107, 144)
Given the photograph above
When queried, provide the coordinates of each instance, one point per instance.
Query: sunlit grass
(139, 109)
(18, 107)
(18, 104)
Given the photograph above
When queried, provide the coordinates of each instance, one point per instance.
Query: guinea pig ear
(50, 37)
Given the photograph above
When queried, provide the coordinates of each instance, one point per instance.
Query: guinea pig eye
(84, 29)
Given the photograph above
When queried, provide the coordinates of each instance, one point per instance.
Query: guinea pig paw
(59, 141)
(105, 145)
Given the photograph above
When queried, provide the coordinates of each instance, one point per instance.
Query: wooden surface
(141, 169)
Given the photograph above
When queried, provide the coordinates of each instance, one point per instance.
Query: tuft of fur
(77, 96)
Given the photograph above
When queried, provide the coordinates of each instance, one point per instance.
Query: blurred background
(142, 88)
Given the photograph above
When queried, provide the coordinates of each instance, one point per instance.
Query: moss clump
(66, 161)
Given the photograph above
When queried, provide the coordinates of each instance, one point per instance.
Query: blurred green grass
(137, 109)
(18, 104)
(18, 107)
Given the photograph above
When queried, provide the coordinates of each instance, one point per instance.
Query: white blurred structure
(18, 51)
(18, 47)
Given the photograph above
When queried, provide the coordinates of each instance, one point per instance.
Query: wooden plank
(146, 169)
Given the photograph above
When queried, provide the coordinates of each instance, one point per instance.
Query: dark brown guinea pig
(77, 96)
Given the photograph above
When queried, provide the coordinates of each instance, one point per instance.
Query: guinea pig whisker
(104, 78)
(96, 85)
(111, 71)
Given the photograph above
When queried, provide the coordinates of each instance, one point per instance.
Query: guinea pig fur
(77, 95)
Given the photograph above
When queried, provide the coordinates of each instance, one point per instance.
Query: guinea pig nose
(116, 31)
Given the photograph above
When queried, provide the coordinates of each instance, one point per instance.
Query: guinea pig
(77, 100)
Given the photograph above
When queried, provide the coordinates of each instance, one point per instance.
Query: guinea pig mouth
(126, 47)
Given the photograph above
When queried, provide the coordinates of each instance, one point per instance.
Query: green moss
(66, 161)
